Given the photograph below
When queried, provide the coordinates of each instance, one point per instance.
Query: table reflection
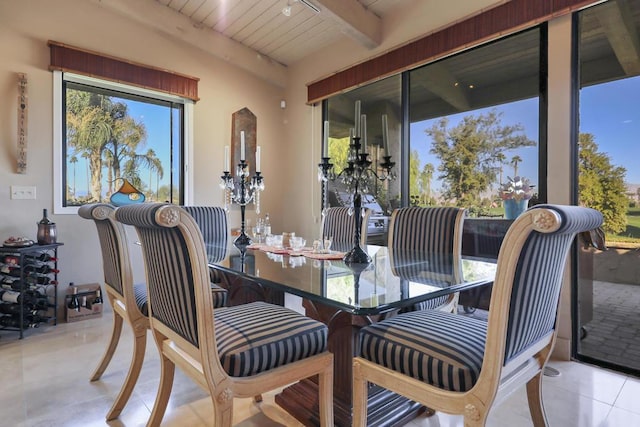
(391, 280)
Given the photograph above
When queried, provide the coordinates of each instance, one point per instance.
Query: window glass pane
(607, 289)
(111, 137)
(474, 123)
(379, 99)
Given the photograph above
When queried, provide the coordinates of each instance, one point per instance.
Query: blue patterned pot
(513, 207)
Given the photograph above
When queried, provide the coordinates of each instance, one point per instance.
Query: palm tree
(154, 164)
(500, 158)
(73, 160)
(514, 161)
(89, 127)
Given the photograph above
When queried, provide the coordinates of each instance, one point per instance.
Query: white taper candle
(258, 158)
(357, 124)
(226, 158)
(242, 157)
(363, 123)
(325, 140)
(385, 135)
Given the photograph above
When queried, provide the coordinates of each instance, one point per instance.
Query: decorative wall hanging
(22, 123)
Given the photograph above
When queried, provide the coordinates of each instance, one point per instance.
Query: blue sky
(605, 111)
(522, 112)
(610, 112)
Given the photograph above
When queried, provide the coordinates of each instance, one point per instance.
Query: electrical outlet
(23, 192)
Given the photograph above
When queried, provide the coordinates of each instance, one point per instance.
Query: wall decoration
(22, 123)
(243, 121)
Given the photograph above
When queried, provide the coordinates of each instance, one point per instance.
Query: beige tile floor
(44, 382)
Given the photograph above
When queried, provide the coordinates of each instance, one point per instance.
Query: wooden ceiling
(262, 26)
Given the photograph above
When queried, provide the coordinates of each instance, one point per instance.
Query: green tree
(471, 152)
(89, 128)
(415, 189)
(338, 152)
(601, 184)
(103, 132)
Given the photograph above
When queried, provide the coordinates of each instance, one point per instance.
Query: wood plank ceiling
(262, 26)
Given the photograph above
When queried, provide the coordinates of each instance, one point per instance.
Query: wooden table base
(384, 408)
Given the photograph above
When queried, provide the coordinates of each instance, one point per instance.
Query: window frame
(58, 125)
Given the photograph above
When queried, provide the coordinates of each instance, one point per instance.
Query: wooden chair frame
(123, 304)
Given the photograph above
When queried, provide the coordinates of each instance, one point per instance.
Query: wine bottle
(42, 257)
(8, 308)
(73, 304)
(98, 299)
(10, 269)
(41, 269)
(25, 297)
(45, 218)
(267, 225)
(10, 259)
(84, 303)
(14, 322)
(39, 279)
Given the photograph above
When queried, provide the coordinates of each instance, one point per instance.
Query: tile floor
(45, 383)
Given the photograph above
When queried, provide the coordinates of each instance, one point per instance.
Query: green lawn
(632, 232)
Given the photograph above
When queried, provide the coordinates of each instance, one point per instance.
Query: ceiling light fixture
(286, 11)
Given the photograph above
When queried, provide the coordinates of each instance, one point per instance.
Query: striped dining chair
(432, 235)
(340, 225)
(462, 365)
(129, 300)
(231, 352)
(212, 222)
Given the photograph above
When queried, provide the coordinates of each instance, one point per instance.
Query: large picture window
(460, 129)
(474, 124)
(114, 135)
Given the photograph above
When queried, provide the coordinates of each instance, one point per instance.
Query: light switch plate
(23, 192)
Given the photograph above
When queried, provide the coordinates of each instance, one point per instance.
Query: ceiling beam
(617, 23)
(354, 20)
(165, 20)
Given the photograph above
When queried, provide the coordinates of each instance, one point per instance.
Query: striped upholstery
(168, 267)
(258, 336)
(538, 278)
(337, 223)
(417, 345)
(109, 234)
(140, 293)
(251, 338)
(212, 221)
(445, 349)
(425, 247)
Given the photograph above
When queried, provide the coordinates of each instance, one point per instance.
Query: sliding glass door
(607, 324)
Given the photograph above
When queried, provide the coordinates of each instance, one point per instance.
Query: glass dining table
(345, 298)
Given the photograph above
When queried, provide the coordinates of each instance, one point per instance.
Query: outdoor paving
(613, 334)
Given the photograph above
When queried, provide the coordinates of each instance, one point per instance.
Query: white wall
(25, 27)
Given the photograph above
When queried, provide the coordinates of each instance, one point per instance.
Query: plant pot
(513, 207)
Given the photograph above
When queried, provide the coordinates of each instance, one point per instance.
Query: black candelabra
(242, 190)
(357, 176)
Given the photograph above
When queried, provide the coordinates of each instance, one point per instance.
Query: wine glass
(328, 240)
